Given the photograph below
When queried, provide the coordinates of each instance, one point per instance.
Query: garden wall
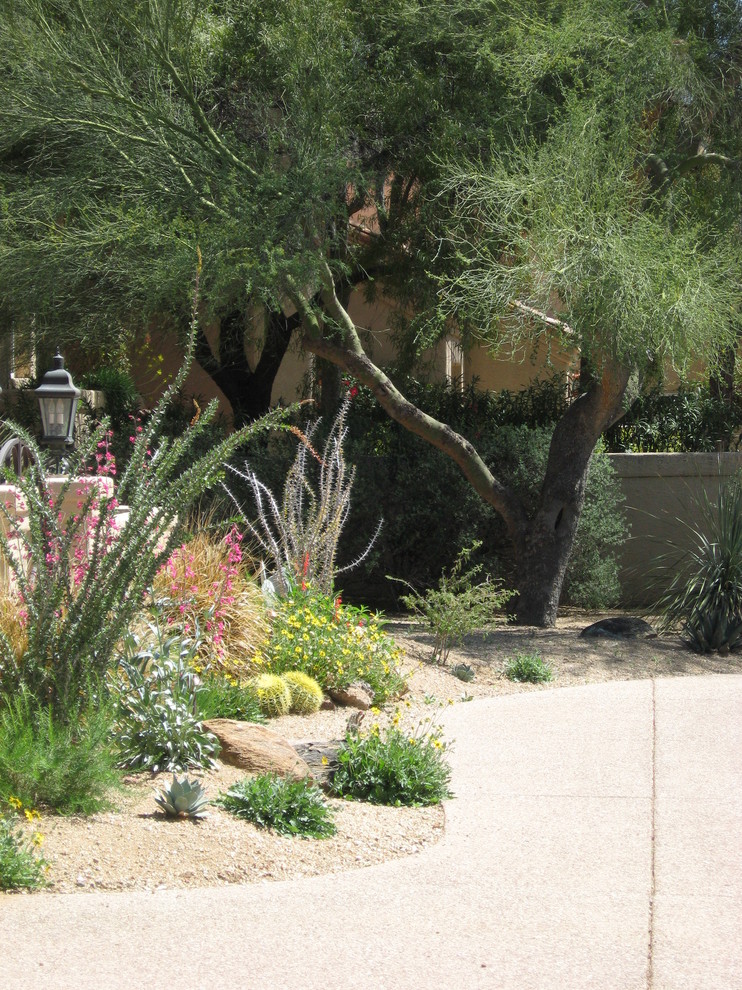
(661, 492)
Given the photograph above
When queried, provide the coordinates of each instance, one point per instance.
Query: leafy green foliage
(333, 643)
(691, 419)
(67, 766)
(183, 798)
(289, 807)
(393, 768)
(512, 432)
(156, 725)
(21, 867)
(83, 577)
(458, 606)
(222, 697)
(705, 594)
(527, 667)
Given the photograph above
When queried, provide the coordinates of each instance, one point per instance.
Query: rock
(255, 748)
(322, 758)
(620, 627)
(328, 705)
(359, 694)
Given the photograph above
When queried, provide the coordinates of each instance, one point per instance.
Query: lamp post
(58, 398)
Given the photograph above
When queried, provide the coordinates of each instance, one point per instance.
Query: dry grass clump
(206, 586)
(13, 623)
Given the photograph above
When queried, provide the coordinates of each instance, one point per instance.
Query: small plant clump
(21, 866)
(221, 696)
(289, 807)
(393, 768)
(333, 643)
(458, 606)
(527, 667)
(156, 726)
(183, 798)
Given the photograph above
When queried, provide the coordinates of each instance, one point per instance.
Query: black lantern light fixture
(58, 398)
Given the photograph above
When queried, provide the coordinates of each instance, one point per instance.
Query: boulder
(359, 694)
(256, 748)
(620, 627)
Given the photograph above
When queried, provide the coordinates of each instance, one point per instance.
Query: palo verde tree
(501, 169)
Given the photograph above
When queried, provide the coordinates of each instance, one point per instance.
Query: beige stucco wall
(662, 493)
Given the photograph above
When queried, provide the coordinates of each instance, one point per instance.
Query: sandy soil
(134, 846)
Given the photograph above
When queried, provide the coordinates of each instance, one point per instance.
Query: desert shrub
(333, 643)
(527, 668)
(300, 536)
(704, 597)
(21, 866)
(289, 807)
(205, 585)
(457, 606)
(78, 610)
(67, 766)
(157, 728)
(226, 697)
(391, 767)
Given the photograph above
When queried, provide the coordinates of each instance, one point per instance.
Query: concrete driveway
(595, 842)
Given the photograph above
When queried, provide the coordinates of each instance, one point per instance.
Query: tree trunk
(544, 545)
(543, 542)
(248, 390)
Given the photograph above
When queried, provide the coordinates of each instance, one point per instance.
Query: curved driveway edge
(594, 843)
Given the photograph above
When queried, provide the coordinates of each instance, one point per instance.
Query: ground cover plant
(527, 667)
(65, 766)
(21, 865)
(289, 807)
(222, 696)
(392, 767)
(333, 643)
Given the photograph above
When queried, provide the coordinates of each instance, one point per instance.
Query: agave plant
(184, 798)
(704, 597)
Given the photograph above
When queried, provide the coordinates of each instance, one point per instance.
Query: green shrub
(156, 725)
(222, 697)
(67, 766)
(458, 606)
(21, 867)
(440, 512)
(690, 419)
(705, 594)
(393, 768)
(333, 643)
(527, 667)
(289, 807)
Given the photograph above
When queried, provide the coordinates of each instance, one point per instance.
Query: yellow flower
(37, 839)
(15, 802)
(31, 816)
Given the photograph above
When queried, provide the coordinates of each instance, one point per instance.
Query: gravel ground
(134, 846)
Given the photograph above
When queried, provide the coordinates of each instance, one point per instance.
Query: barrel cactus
(184, 798)
(306, 694)
(274, 695)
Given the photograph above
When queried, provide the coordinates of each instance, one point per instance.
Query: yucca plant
(300, 536)
(704, 597)
(184, 798)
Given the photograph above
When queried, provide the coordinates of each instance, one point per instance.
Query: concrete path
(595, 842)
